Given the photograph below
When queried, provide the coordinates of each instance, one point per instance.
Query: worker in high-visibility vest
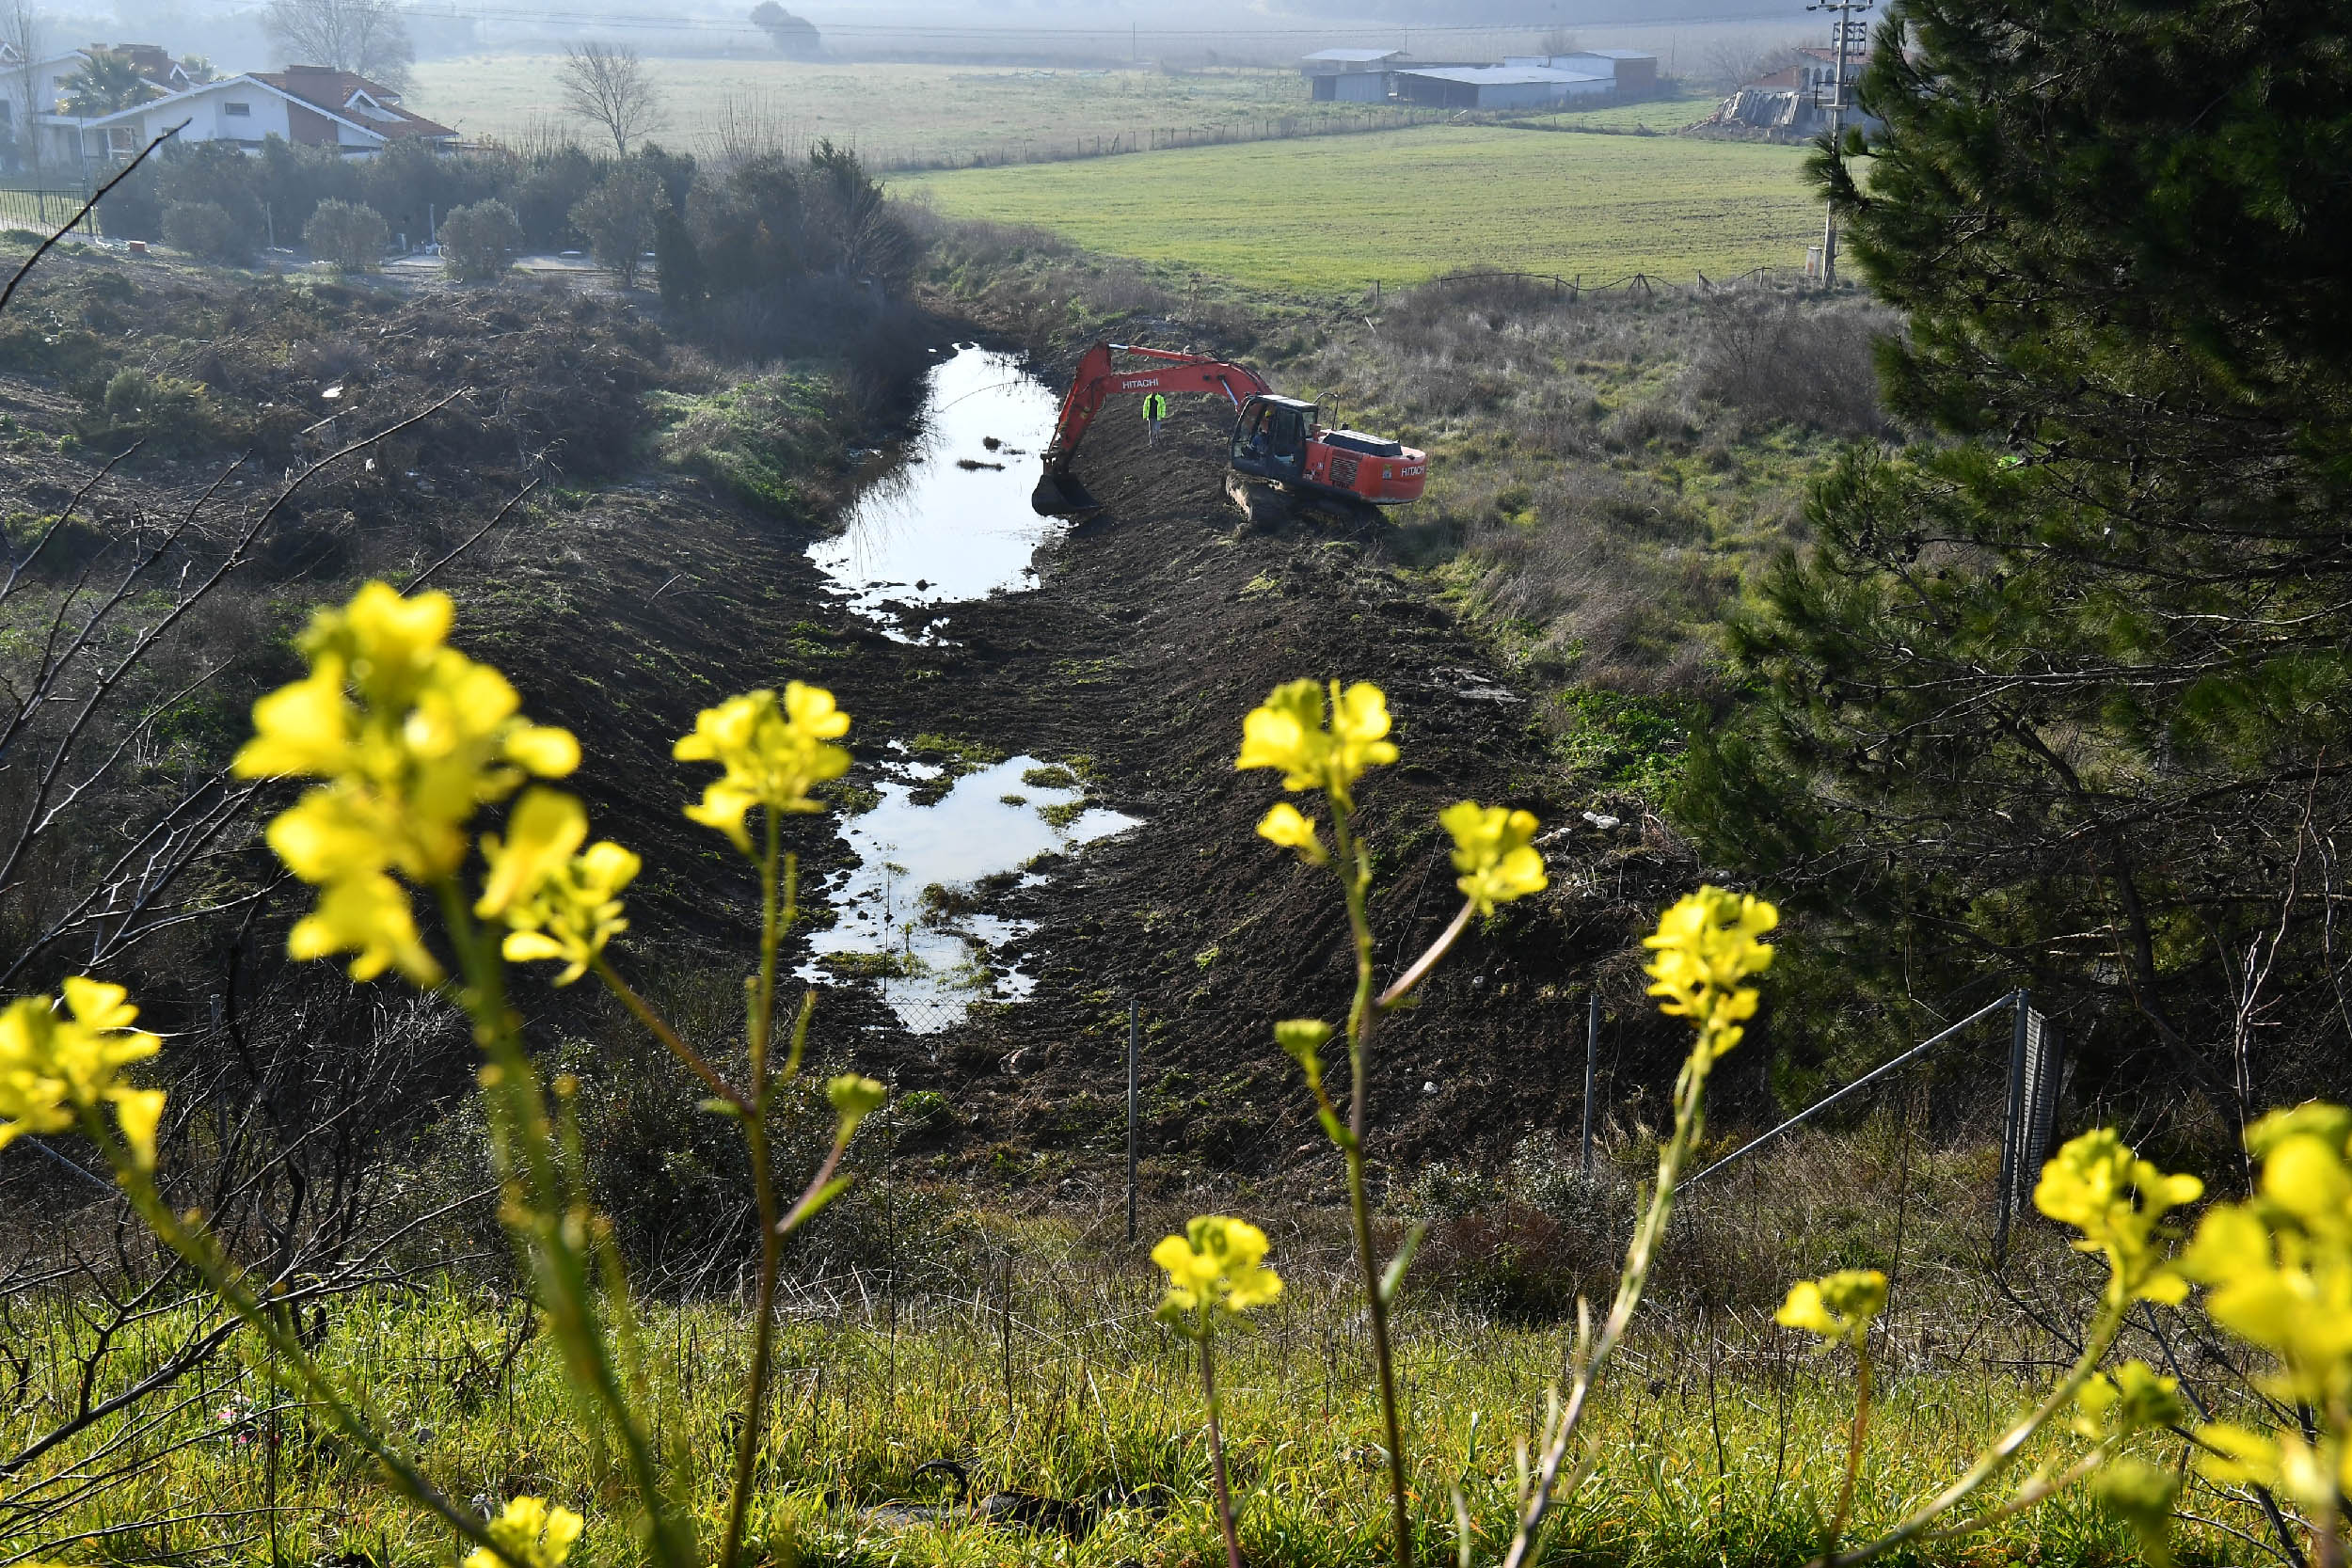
(1154, 410)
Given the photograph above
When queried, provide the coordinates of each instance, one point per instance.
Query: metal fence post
(1592, 1049)
(1134, 1047)
(2011, 1124)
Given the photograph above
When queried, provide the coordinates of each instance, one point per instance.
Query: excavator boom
(1098, 379)
(1274, 438)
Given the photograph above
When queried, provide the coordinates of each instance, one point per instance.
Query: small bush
(169, 415)
(618, 218)
(204, 229)
(349, 235)
(478, 241)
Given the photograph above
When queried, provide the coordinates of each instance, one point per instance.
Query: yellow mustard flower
(555, 903)
(2141, 1494)
(854, 1099)
(1837, 1308)
(411, 737)
(367, 917)
(57, 1062)
(1705, 945)
(1215, 1265)
(529, 1533)
(2099, 1185)
(543, 831)
(773, 754)
(1284, 826)
(2312, 1475)
(1494, 850)
(2134, 1398)
(2279, 1267)
(1292, 731)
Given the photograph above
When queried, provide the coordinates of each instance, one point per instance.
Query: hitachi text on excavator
(1275, 440)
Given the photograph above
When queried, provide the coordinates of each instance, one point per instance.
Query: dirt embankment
(628, 594)
(1157, 625)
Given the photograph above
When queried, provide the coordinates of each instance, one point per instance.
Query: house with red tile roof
(306, 104)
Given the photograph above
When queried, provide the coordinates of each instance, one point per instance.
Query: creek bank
(1148, 631)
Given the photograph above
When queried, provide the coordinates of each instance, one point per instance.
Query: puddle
(930, 960)
(950, 525)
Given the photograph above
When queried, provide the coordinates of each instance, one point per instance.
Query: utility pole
(1134, 1042)
(1592, 1050)
(1845, 34)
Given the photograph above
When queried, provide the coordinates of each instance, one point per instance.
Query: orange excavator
(1275, 439)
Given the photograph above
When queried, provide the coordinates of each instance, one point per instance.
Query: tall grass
(1722, 1437)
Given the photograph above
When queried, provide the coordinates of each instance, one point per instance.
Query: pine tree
(2062, 690)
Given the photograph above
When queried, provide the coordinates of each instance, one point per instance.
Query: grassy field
(1402, 206)
(892, 114)
(1064, 1389)
(1656, 114)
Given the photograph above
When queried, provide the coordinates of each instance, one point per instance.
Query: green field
(892, 114)
(1406, 205)
(1655, 114)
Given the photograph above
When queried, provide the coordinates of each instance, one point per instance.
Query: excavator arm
(1098, 379)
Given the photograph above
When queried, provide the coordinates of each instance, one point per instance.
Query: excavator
(1275, 440)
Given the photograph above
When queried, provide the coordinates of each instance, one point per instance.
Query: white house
(30, 93)
(306, 106)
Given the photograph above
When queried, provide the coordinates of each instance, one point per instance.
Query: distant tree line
(715, 233)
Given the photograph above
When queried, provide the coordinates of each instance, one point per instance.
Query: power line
(1845, 32)
(985, 30)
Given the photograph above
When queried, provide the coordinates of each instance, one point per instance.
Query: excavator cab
(1270, 436)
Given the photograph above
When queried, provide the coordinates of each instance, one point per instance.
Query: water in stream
(954, 522)
(939, 956)
(952, 525)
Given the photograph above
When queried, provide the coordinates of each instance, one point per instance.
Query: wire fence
(44, 207)
(1154, 138)
(1569, 288)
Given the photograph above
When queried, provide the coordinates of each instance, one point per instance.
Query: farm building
(1496, 86)
(1634, 73)
(1350, 75)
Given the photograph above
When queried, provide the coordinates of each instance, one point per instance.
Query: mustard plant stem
(552, 1223)
(1216, 1440)
(286, 1348)
(2003, 1452)
(670, 1039)
(776, 913)
(1592, 1354)
(1404, 983)
(2028, 1496)
(1853, 1443)
(1352, 864)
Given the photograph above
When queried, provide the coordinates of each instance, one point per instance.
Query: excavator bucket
(1061, 496)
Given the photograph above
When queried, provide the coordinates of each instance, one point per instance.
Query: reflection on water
(953, 521)
(930, 955)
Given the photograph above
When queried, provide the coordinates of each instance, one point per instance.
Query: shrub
(171, 416)
(618, 218)
(204, 229)
(348, 233)
(478, 241)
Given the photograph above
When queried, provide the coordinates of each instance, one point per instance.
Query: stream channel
(952, 524)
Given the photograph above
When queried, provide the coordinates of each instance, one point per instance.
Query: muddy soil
(629, 595)
(1158, 624)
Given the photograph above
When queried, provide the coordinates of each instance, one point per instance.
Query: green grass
(1656, 114)
(1402, 206)
(1068, 1389)
(892, 114)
